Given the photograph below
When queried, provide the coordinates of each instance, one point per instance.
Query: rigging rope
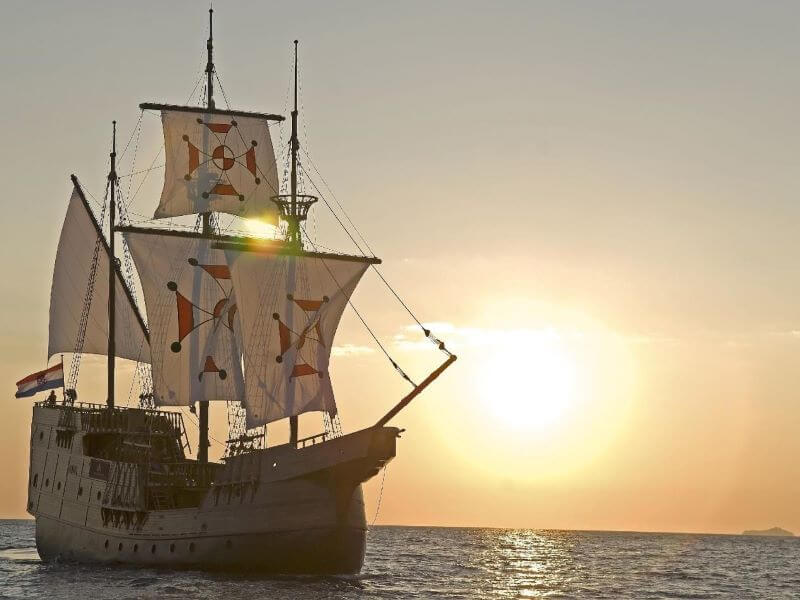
(363, 322)
(222, 89)
(335, 199)
(436, 341)
(380, 496)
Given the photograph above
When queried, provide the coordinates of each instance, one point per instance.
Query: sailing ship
(229, 318)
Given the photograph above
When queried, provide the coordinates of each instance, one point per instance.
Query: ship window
(153, 549)
(136, 547)
(106, 545)
(58, 487)
(41, 435)
(47, 482)
(98, 495)
(191, 546)
(35, 479)
(172, 547)
(80, 491)
(119, 547)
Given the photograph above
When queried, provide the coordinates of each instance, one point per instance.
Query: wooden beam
(416, 391)
(107, 250)
(213, 111)
(257, 245)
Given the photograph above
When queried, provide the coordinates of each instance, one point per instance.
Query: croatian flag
(41, 381)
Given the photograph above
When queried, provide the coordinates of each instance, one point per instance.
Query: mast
(112, 178)
(293, 209)
(208, 230)
(210, 63)
(293, 236)
(293, 224)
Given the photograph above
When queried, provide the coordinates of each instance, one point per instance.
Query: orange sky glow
(594, 206)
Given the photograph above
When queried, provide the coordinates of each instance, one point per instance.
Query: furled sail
(192, 315)
(290, 307)
(218, 161)
(78, 250)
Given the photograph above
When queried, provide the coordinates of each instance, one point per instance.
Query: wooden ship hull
(285, 509)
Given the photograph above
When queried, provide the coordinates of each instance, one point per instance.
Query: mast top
(210, 63)
(112, 175)
(293, 206)
(295, 77)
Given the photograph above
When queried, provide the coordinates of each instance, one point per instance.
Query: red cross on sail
(218, 162)
(289, 308)
(193, 318)
(311, 307)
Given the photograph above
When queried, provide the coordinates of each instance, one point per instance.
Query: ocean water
(430, 562)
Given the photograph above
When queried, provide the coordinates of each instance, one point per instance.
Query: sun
(529, 382)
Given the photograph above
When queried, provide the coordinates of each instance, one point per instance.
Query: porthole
(35, 479)
(47, 482)
(98, 495)
(106, 545)
(191, 546)
(58, 486)
(119, 547)
(172, 547)
(136, 547)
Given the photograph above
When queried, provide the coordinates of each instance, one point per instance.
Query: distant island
(775, 531)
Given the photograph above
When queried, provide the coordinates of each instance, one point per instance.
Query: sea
(439, 562)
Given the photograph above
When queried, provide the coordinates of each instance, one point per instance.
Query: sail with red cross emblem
(290, 307)
(218, 161)
(193, 319)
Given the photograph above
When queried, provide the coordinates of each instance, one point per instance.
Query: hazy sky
(596, 202)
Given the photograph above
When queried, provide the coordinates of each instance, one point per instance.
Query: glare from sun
(259, 228)
(530, 383)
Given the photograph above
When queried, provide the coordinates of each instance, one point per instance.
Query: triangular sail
(290, 307)
(193, 318)
(219, 161)
(83, 254)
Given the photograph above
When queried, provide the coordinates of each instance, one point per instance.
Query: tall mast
(112, 267)
(293, 229)
(202, 444)
(294, 226)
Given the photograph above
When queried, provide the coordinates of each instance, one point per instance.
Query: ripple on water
(418, 562)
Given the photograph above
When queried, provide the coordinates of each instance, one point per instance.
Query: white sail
(192, 315)
(289, 307)
(218, 162)
(81, 241)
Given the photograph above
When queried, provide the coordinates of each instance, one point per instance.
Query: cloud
(351, 350)
(412, 338)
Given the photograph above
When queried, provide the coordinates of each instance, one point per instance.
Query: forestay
(81, 241)
(220, 162)
(290, 307)
(193, 318)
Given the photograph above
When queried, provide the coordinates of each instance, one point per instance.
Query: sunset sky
(594, 204)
